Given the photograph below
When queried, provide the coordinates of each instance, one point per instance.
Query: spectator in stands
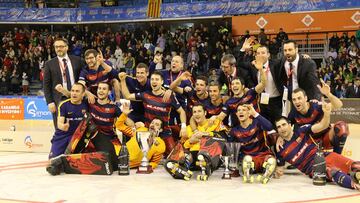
(193, 57)
(3, 83)
(353, 91)
(262, 37)
(331, 53)
(129, 62)
(25, 84)
(334, 41)
(281, 37)
(15, 81)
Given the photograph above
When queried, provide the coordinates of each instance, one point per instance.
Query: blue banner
(170, 10)
(35, 108)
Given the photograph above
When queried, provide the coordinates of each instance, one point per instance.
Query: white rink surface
(25, 180)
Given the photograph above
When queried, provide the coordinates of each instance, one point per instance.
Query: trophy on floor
(143, 140)
(227, 174)
(233, 149)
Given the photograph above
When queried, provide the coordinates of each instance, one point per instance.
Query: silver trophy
(233, 150)
(143, 140)
(226, 159)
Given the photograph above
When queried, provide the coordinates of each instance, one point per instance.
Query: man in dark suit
(60, 73)
(230, 71)
(297, 72)
(353, 91)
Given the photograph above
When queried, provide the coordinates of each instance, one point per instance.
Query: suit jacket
(306, 76)
(240, 73)
(350, 92)
(52, 77)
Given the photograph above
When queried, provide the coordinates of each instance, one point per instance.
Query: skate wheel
(258, 178)
(251, 179)
(205, 178)
(198, 177)
(186, 178)
(190, 173)
(265, 181)
(244, 179)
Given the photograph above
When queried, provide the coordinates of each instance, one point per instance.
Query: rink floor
(24, 179)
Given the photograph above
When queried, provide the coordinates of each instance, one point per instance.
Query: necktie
(67, 75)
(289, 78)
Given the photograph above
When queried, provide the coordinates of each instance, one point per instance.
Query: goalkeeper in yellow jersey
(201, 149)
(157, 148)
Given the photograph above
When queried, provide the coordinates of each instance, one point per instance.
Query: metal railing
(316, 48)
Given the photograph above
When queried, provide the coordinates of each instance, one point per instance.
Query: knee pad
(247, 158)
(355, 166)
(270, 160)
(341, 129)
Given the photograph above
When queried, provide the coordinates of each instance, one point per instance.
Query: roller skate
(177, 171)
(269, 167)
(205, 168)
(355, 176)
(248, 166)
(56, 165)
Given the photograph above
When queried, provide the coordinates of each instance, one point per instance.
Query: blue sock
(342, 179)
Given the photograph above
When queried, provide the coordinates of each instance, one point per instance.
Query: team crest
(298, 140)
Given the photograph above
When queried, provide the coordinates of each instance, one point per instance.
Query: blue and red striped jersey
(104, 117)
(250, 97)
(93, 77)
(155, 107)
(252, 138)
(300, 150)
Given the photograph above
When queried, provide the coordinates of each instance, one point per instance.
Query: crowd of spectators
(24, 51)
(342, 65)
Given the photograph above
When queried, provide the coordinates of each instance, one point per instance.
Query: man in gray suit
(60, 73)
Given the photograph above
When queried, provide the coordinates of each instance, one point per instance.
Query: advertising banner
(349, 112)
(36, 109)
(172, 10)
(297, 22)
(25, 141)
(11, 109)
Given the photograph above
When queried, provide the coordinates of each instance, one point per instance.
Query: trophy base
(226, 177)
(144, 169)
(235, 173)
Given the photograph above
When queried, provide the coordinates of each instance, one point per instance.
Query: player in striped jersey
(98, 70)
(215, 102)
(254, 152)
(155, 107)
(304, 112)
(70, 114)
(103, 114)
(299, 149)
(157, 148)
(241, 95)
(198, 95)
